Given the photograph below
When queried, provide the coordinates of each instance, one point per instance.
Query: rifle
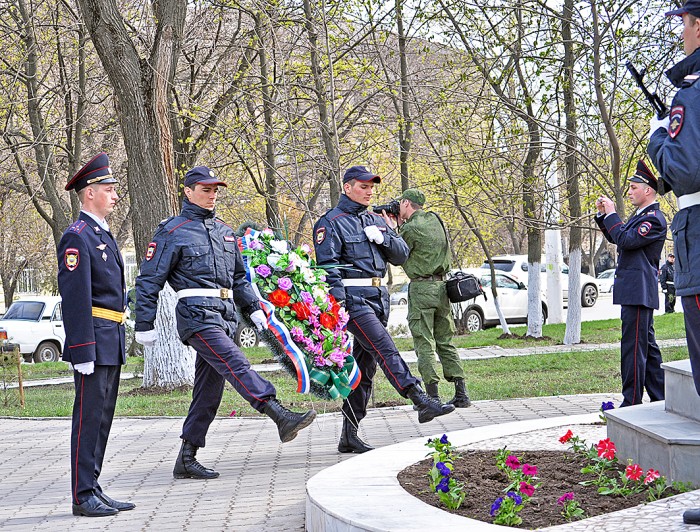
(654, 100)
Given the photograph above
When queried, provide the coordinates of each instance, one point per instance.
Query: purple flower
(607, 406)
(263, 270)
(297, 333)
(496, 506)
(256, 245)
(443, 440)
(443, 485)
(320, 361)
(568, 496)
(307, 298)
(285, 283)
(517, 498)
(337, 357)
(443, 469)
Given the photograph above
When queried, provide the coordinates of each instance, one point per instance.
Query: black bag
(463, 287)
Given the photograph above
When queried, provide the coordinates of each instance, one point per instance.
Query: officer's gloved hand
(656, 123)
(146, 338)
(664, 291)
(259, 319)
(374, 234)
(86, 368)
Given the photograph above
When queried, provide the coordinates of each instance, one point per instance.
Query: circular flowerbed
(533, 489)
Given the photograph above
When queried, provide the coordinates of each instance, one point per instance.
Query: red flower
(606, 449)
(329, 321)
(302, 309)
(279, 298)
(634, 472)
(566, 437)
(652, 475)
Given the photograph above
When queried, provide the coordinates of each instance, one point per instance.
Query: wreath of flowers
(307, 327)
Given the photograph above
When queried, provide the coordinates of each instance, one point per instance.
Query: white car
(606, 280)
(36, 324)
(516, 266)
(480, 312)
(400, 296)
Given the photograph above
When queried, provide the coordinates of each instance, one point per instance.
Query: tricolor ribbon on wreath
(307, 327)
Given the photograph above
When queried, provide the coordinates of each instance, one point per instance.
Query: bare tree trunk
(405, 120)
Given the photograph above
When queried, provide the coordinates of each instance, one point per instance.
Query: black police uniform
(93, 292)
(669, 287)
(639, 243)
(339, 239)
(676, 154)
(192, 251)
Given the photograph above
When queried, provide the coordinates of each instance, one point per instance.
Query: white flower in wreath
(279, 246)
(273, 259)
(267, 231)
(319, 293)
(308, 275)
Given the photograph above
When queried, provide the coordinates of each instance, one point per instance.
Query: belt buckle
(376, 281)
(224, 293)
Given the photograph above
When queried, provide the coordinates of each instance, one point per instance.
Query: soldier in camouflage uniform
(429, 313)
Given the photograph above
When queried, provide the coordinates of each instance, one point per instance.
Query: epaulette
(78, 226)
(165, 221)
(690, 79)
(223, 223)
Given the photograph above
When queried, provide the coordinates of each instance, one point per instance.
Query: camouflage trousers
(432, 327)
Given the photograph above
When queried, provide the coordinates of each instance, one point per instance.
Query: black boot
(350, 442)
(461, 399)
(428, 408)
(187, 466)
(432, 391)
(288, 423)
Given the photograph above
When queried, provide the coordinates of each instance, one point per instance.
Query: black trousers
(691, 314)
(373, 345)
(219, 359)
(93, 411)
(640, 356)
(670, 300)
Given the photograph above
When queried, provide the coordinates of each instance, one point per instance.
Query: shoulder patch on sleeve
(676, 120)
(644, 228)
(71, 259)
(151, 251)
(320, 235)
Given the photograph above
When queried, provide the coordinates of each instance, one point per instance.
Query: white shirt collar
(102, 223)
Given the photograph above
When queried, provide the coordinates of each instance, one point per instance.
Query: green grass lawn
(499, 378)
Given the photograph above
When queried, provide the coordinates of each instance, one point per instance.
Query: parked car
(36, 324)
(606, 280)
(399, 296)
(480, 312)
(246, 335)
(516, 265)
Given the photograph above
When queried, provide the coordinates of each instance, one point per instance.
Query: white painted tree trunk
(534, 301)
(573, 318)
(169, 363)
(554, 261)
(501, 318)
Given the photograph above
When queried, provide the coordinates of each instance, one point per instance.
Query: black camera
(391, 208)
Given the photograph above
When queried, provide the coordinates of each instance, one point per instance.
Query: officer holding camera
(349, 234)
(429, 312)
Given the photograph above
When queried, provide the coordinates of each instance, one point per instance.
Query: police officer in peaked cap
(93, 291)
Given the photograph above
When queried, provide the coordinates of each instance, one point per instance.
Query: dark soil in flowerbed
(557, 473)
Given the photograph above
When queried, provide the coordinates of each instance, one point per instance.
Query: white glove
(374, 234)
(259, 319)
(86, 368)
(655, 124)
(146, 338)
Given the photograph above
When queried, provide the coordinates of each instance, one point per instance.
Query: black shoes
(288, 423)
(461, 399)
(692, 517)
(187, 466)
(350, 442)
(94, 507)
(117, 505)
(428, 408)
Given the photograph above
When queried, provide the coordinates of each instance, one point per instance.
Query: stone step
(681, 397)
(658, 439)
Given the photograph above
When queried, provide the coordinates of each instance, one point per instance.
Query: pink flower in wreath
(256, 245)
(529, 470)
(606, 449)
(651, 476)
(307, 298)
(513, 462)
(634, 472)
(337, 357)
(285, 283)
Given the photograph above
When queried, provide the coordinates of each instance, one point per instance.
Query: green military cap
(414, 195)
